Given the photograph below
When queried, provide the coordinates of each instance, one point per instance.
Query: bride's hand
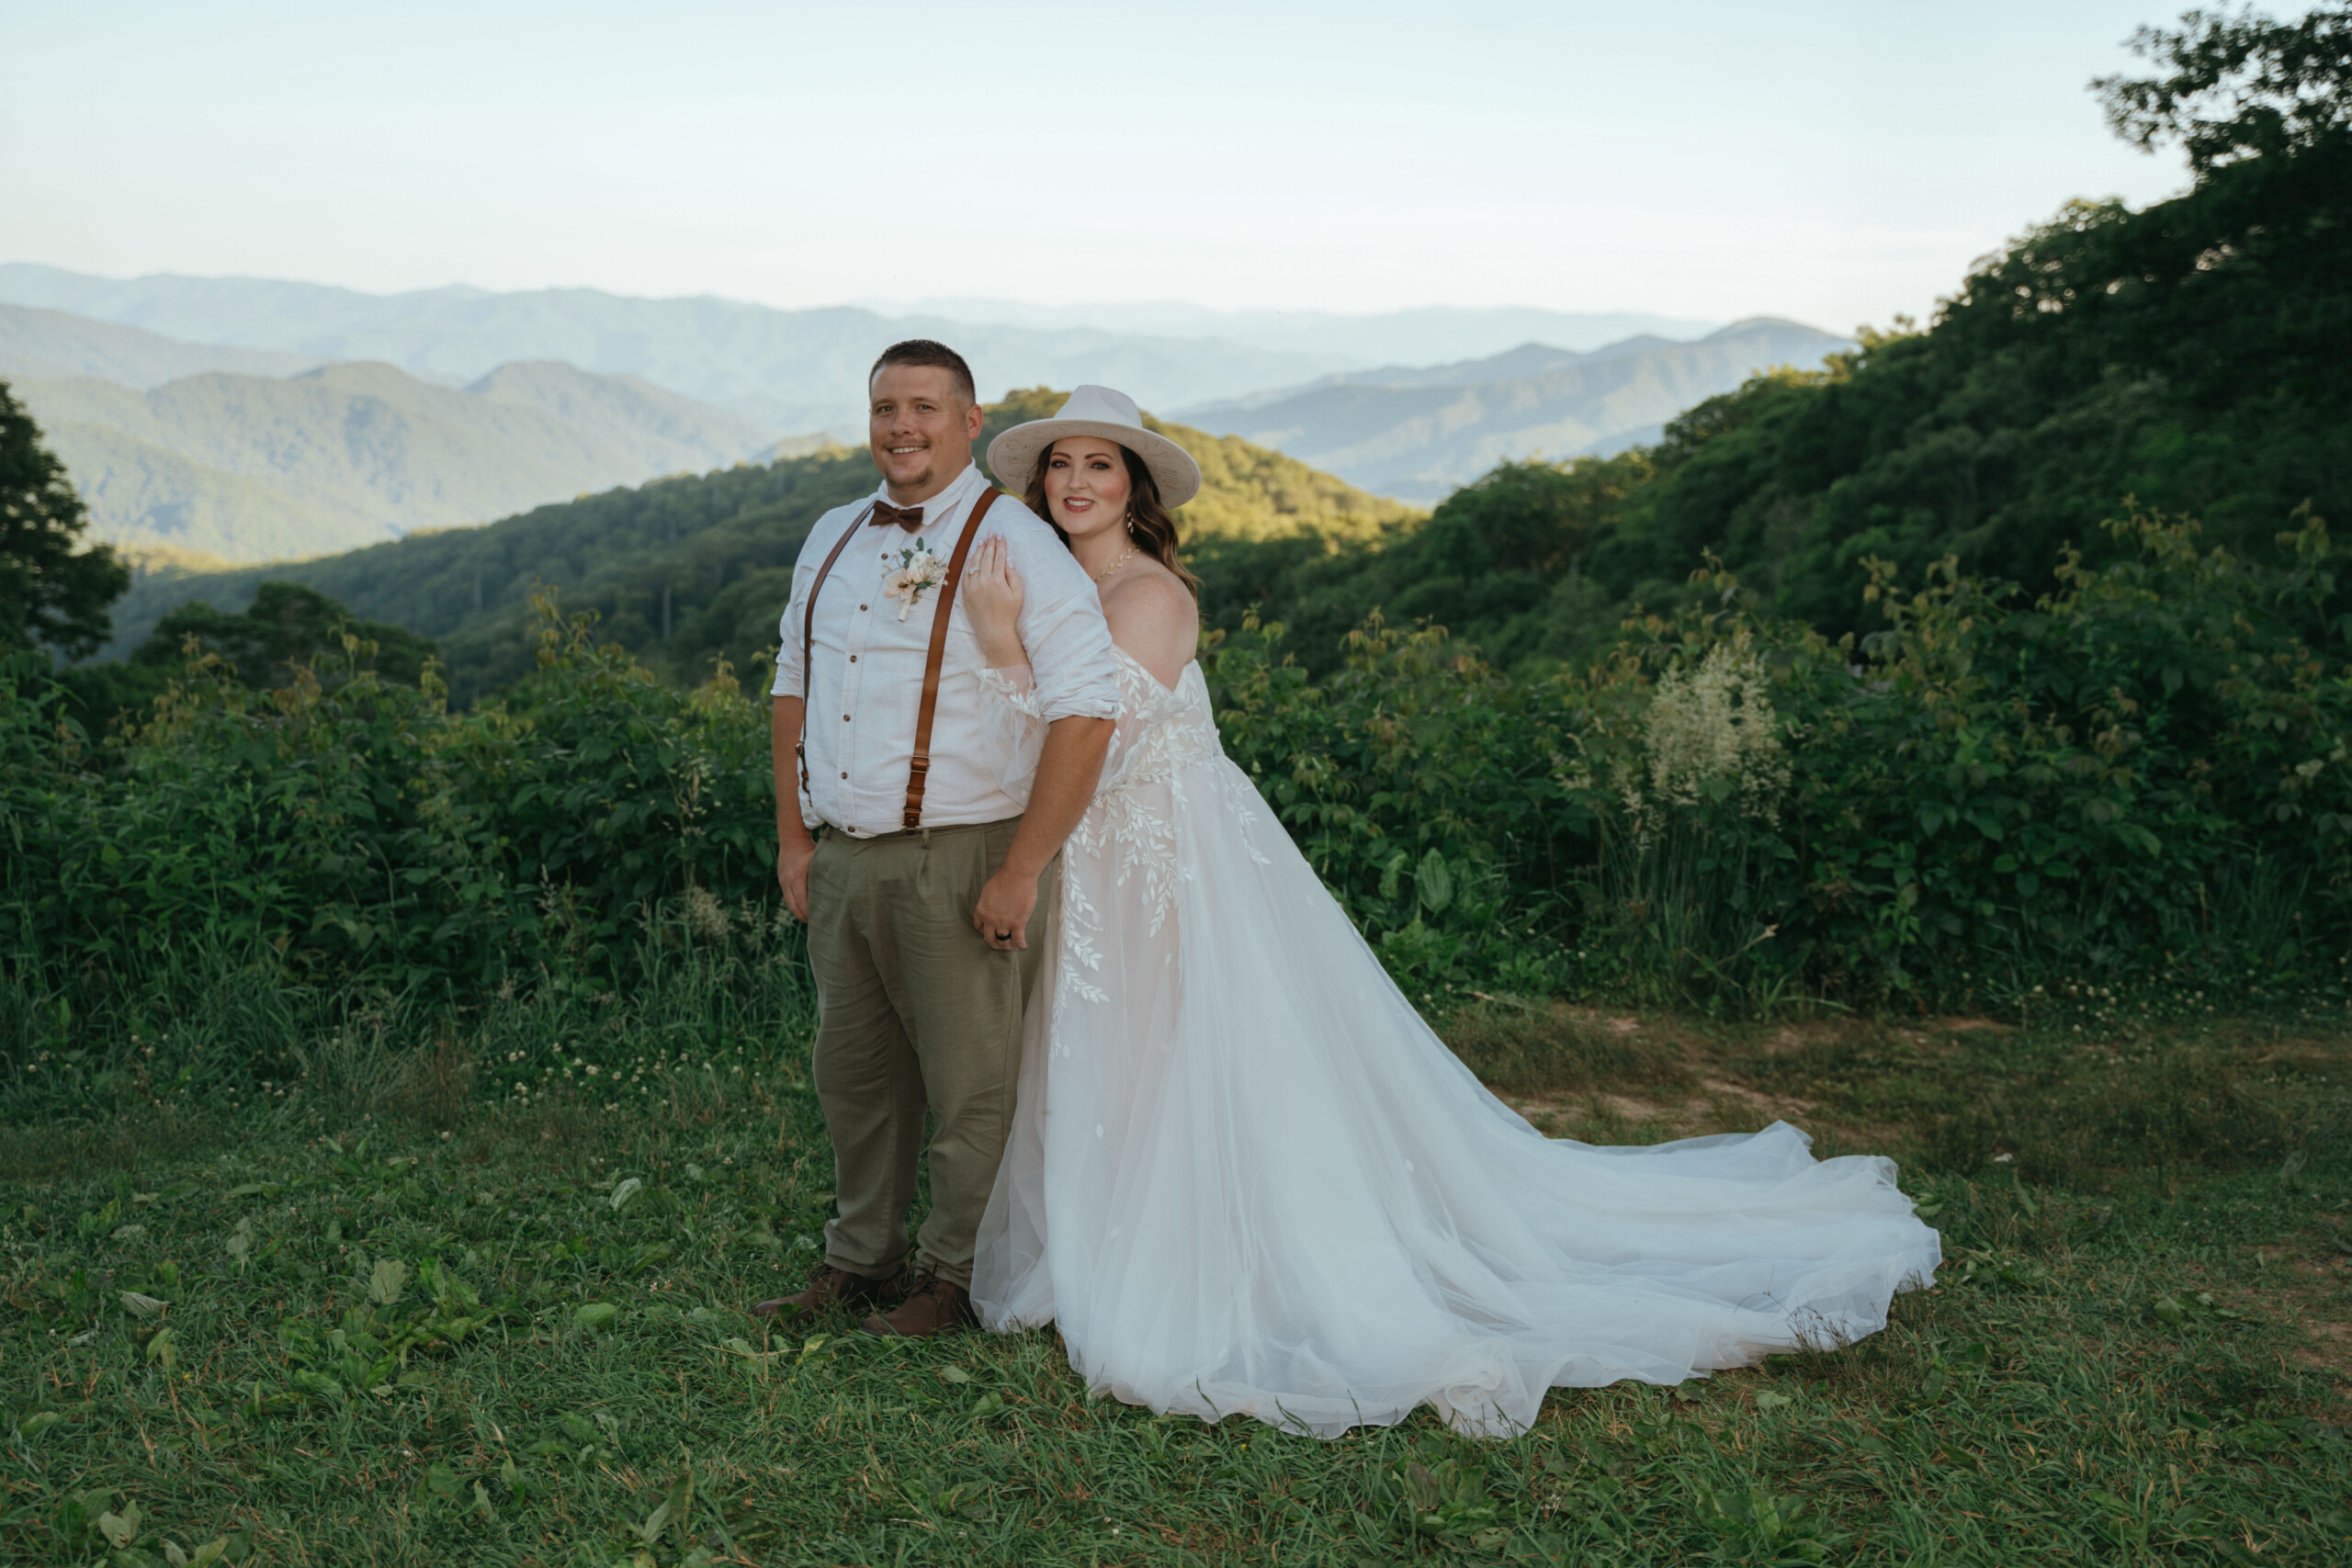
(991, 593)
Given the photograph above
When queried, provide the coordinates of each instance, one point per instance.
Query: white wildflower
(705, 917)
(1714, 726)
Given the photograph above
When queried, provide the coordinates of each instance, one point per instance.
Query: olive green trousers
(915, 1012)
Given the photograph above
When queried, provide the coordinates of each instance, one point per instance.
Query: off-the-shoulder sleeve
(1013, 729)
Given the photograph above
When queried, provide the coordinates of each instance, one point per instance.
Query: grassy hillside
(256, 467)
(2128, 1344)
(686, 570)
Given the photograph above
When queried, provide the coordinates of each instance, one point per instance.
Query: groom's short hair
(922, 351)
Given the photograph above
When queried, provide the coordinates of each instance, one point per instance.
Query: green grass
(384, 1311)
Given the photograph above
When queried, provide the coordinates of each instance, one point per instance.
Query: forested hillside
(2194, 357)
(685, 571)
(266, 466)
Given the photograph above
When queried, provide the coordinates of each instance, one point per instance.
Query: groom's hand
(792, 860)
(1002, 916)
(1058, 797)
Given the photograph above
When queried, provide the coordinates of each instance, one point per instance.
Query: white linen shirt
(866, 684)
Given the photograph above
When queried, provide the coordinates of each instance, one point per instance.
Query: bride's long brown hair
(1149, 524)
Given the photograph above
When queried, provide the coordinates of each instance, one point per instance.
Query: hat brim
(1014, 455)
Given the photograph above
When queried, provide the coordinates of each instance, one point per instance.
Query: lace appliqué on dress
(1237, 806)
(1081, 924)
(1161, 733)
(1024, 698)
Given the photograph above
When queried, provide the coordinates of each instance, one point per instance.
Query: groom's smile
(919, 425)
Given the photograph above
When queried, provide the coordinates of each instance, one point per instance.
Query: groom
(924, 882)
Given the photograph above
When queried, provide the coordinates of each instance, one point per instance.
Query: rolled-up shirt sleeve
(1062, 627)
(789, 625)
(788, 655)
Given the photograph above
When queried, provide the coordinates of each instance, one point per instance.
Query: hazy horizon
(1834, 163)
(1007, 309)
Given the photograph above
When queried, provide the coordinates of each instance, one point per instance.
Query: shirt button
(853, 659)
(861, 606)
(844, 718)
(844, 775)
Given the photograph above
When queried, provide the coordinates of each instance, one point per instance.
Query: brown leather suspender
(919, 769)
(809, 637)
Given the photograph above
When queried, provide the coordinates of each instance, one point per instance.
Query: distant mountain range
(791, 371)
(1418, 433)
(1393, 337)
(51, 345)
(254, 454)
(248, 419)
(800, 370)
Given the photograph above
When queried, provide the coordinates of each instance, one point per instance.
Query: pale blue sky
(1834, 162)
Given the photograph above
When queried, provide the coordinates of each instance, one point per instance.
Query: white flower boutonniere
(919, 572)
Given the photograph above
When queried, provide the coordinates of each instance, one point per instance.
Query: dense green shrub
(286, 628)
(353, 825)
(2144, 771)
(1423, 785)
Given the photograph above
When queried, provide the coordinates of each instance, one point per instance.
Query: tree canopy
(2238, 86)
(286, 628)
(288, 634)
(54, 589)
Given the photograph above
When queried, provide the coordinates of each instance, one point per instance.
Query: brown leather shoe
(933, 1306)
(832, 1288)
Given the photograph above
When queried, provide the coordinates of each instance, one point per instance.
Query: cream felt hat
(1013, 455)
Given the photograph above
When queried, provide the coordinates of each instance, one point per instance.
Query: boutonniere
(919, 572)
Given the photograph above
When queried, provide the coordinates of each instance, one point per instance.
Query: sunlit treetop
(2238, 87)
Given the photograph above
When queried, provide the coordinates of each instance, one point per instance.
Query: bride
(1244, 1175)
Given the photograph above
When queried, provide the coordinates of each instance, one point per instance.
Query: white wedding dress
(1244, 1175)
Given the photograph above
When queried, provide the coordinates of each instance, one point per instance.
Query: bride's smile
(1087, 496)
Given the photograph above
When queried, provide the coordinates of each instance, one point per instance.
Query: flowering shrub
(1712, 739)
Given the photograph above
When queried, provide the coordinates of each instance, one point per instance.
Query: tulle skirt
(1245, 1177)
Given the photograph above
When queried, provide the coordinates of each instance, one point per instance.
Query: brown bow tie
(907, 517)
